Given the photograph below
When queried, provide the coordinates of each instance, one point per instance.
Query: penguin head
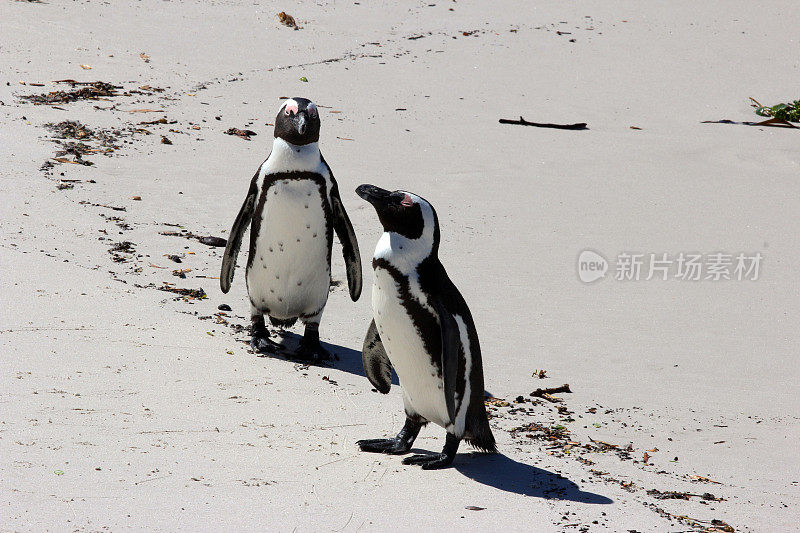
(298, 122)
(410, 219)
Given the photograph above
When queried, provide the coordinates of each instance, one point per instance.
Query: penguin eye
(312, 110)
(291, 109)
(406, 201)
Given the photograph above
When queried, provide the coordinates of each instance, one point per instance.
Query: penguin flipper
(344, 230)
(376, 363)
(451, 351)
(236, 234)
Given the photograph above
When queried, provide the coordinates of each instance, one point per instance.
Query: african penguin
(295, 207)
(423, 329)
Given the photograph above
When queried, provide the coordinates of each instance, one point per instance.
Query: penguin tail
(480, 435)
(484, 441)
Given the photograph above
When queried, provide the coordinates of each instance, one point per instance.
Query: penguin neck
(288, 157)
(401, 252)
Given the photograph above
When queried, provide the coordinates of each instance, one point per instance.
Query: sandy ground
(125, 407)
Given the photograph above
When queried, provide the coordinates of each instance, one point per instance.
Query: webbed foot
(435, 461)
(400, 444)
(310, 348)
(393, 446)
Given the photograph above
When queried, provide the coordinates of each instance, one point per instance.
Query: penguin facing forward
(294, 205)
(423, 329)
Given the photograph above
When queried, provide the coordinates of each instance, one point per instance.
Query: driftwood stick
(546, 393)
(523, 122)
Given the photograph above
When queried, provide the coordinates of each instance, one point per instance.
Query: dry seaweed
(90, 91)
(120, 251)
(288, 20)
(85, 202)
(207, 240)
(244, 134)
(187, 294)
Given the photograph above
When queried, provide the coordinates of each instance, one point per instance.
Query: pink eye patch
(291, 108)
(407, 201)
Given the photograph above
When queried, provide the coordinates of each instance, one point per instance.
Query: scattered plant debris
(84, 202)
(120, 248)
(786, 112)
(207, 240)
(162, 120)
(70, 129)
(244, 134)
(187, 294)
(288, 20)
(675, 495)
(90, 91)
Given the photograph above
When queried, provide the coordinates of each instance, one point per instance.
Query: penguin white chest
(423, 389)
(290, 272)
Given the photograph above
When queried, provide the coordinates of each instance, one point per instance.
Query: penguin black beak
(302, 123)
(375, 195)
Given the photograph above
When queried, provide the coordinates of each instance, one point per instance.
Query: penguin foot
(310, 352)
(263, 344)
(395, 446)
(435, 461)
(430, 461)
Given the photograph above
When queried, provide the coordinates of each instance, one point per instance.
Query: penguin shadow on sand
(503, 473)
(349, 360)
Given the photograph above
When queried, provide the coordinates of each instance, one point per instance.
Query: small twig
(523, 122)
(773, 122)
(341, 426)
(334, 461)
(152, 479)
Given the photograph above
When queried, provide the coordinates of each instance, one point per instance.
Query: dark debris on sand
(207, 240)
(187, 294)
(90, 91)
(244, 134)
(121, 252)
